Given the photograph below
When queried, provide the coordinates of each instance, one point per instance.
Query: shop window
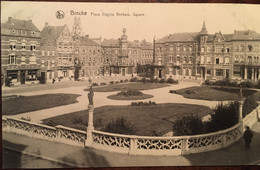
(32, 75)
(219, 72)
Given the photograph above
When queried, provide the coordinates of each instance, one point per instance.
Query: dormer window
(13, 31)
(33, 33)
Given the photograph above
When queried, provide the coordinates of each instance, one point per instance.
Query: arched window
(236, 47)
(250, 47)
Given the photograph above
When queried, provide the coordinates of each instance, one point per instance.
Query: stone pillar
(240, 112)
(90, 126)
(19, 76)
(245, 76)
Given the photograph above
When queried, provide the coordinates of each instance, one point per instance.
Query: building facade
(57, 52)
(208, 56)
(20, 51)
(121, 57)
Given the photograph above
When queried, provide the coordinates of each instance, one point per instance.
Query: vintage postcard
(129, 84)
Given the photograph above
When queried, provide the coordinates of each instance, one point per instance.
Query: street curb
(44, 157)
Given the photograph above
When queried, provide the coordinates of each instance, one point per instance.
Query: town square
(79, 94)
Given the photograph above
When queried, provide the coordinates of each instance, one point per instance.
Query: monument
(90, 117)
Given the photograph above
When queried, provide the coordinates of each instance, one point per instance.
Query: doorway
(22, 77)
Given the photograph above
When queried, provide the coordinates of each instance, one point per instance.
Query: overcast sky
(158, 20)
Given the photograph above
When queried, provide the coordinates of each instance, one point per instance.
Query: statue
(240, 93)
(90, 96)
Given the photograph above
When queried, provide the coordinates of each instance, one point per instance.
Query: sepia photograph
(87, 84)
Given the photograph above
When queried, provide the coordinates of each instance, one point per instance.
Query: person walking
(248, 135)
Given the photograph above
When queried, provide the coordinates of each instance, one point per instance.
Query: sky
(157, 19)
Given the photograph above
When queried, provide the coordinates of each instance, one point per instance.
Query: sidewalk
(235, 154)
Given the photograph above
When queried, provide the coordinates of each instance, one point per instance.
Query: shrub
(190, 92)
(126, 80)
(133, 79)
(247, 84)
(188, 125)
(162, 81)
(103, 83)
(121, 81)
(224, 116)
(130, 93)
(250, 104)
(150, 103)
(143, 80)
(208, 83)
(121, 126)
(98, 123)
(173, 91)
(95, 84)
(111, 82)
(152, 80)
(171, 81)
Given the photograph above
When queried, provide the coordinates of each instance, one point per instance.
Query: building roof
(19, 24)
(179, 37)
(87, 41)
(110, 43)
(246, 35)
(52, 31)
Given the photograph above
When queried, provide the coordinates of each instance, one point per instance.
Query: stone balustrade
(58, 133)
(131, 144)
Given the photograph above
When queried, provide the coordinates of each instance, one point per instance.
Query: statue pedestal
(90, 125)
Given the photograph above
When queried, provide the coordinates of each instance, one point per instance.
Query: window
(12, 47)
(33, 60)
(48, 53)
(208, 60)
(250, 47)
(190, 48)
(208, 71)
(226, 60)
(23, 46)
(202, 49)
(236, 59)
(249, 59)
(12, 59)
(171, 48)
(53, 53)
(23, 60)
(236, 47)
(184, 48)
(219, 72)
(227, 50)
(241, 47)
(217, 60)
(33, 47)
(184, 59)
(178, 48)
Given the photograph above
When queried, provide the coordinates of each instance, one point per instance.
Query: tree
(224, 116)
(188, 125)
(250, 104)
(121, 126)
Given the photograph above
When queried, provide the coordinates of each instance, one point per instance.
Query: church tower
(77, 28)
(203, 33)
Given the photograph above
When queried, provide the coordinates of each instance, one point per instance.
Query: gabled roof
(246, 35)
(19, 24)
(179, 37)
(110, 43)
(52, 31)
(87, 41)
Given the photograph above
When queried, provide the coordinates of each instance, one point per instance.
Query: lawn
(213, 93)
(128, 86)
(116, 97)
(22, 104)
(148, 120)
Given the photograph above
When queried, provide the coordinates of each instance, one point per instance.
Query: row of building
(29, 55)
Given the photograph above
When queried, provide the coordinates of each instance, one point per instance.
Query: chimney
(46, 24)
(86, 36)
(9, 19)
